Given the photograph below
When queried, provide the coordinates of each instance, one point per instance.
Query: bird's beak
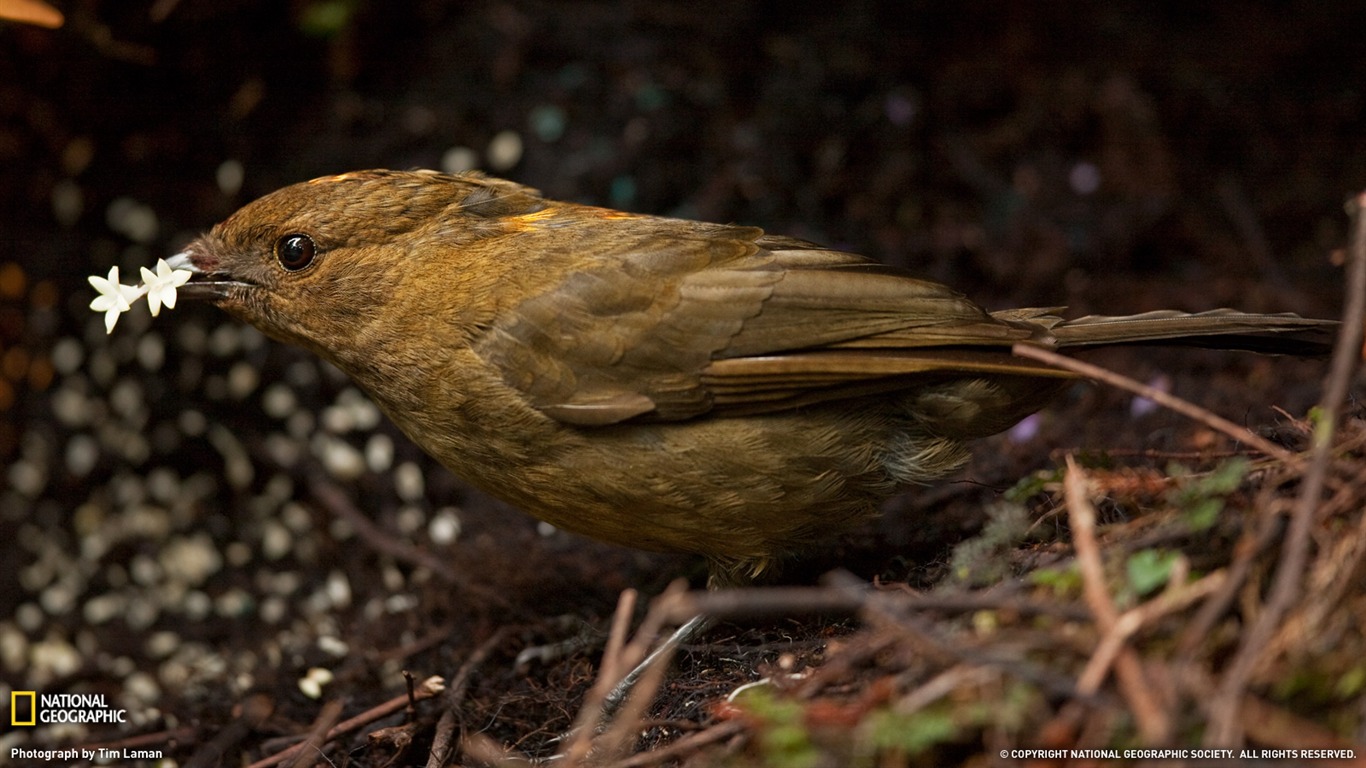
(202, 286)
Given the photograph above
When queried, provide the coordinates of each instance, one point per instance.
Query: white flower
(161, 285)
(114, 299)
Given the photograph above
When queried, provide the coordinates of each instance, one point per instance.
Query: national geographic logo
(32, 708)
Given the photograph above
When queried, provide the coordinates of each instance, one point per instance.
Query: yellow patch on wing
(349, 175)
(558, 216)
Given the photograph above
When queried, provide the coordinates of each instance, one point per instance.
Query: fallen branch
(1225, 729)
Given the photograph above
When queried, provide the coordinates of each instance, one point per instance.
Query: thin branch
(1184, 407)
(1148, 713)
(762, 602)
(684, 746)
(1225, 727)
(425, 690)
(443, 742)
(335, 501)
(611, 669)
(308, 750)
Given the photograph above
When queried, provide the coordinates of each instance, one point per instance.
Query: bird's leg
(617, 696)
(584, 637)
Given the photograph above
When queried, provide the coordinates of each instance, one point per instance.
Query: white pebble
(27, 478)
(237, 467)
(13, 648)
(126, 398)
(196, 605)
(192, 423)
(459, 160)
(142, 688)
(242, 380)
(144, 570)
(191, 559)
(251, 338)
(134, 220)
(68, 202)
(338, 589)
(82, 452)
(296, 518)
(51, 658)
(58, 599)
(151, 351)
(71, 407)
(273, 609)
(191, 337)
(409, 519)
(237, 554)
(333, 646)
(276, 540)
(379, 452)
(338, 419)
(302, 373)
(278, 401)
(225, 340)
(445, 526)
(365, 414)
(163, 484)
(409, 482)
(312, 683)
(233, 604)
(229, 177)
(102, 608)
(67, 355)
(29, 617)
(504, 150)
(341, 459)
(300, 424)
(283, 450)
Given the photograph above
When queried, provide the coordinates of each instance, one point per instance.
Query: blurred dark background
(1114, 157)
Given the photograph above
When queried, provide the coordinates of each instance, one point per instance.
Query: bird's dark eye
(295, 252)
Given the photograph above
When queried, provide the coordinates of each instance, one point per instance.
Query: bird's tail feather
(1220, 329)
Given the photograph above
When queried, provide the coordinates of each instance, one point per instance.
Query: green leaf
(1202, 498)
(913, 733)
(1064, 582)
(1150, 569)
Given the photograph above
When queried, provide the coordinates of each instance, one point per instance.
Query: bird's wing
(677, 319)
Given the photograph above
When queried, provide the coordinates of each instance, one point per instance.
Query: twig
(1224, 727)
(1183, 407)
(760, 602)
(1332, 575)
(1249, 545)
(252, 713)
(442, 742)
(611, 669)
(683, 746)
(184, 734)
(955, 678)
(425, 690)
(1151, 719)
(336, 502)
(616, 737)
(1131, 621)
(304, 751)
(928, 642)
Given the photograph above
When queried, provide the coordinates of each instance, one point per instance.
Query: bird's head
(320, 264)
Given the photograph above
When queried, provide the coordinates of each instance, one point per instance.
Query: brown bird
(654, 382)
